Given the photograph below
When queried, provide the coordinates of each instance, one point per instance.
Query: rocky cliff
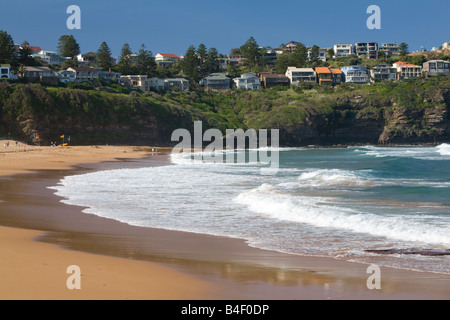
(413, 112)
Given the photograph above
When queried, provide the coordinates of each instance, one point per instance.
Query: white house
(322, 53)
(248, 81)
(342, 50)
(166, 59)
(5, 70)
(50, 57)
(179, 83)
(156, 84)
(297, 75)
(66, 76)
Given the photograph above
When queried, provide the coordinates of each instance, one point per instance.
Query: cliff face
(396, 114)
(363, 119)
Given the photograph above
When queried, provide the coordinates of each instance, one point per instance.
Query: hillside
(411, 111)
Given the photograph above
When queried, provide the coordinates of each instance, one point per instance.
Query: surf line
(233, 139)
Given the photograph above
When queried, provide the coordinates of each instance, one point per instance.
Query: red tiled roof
(322, 70)
(170, 55)
(34, 48)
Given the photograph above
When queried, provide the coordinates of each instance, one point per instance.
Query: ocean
(369, 204)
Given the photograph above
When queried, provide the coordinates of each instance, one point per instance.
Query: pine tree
(212, 64)
(250, 51)
(104, 57)
(68, 47)
(146, 64)
(190, 64)
(6, 48)
(124, 65)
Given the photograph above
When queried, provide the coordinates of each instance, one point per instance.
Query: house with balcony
(324, 76)
(391, 49)
(135, 81)
(290, 46)
(5, 71)
(109, 76)
(176, 83)
(355, 74)
(407, 71)
(216, 81)
(248, 81)
(269, 80)
(368, 49)
(298, 75)
(40, 74)
(155, 84)
(66, 76)
(84, 74)
(50, 57)
(342, 50)
(87, 60)
(166, 59)
(337, 77)
(383, 72)
(436, 67)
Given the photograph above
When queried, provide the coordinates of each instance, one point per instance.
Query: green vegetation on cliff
(411, 111)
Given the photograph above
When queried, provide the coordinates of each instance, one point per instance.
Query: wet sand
(41, 237)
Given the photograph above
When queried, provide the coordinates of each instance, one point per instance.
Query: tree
(145, 63)
(330, 53)
(299, 57)
(202, 55)
(124, 65)
(250, 51)
(403, 49)
(6, 48)
(211, 61)
(68, 47)
(104, 57)
(314, 56)
(190, 64)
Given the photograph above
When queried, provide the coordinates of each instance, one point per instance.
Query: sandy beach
(41, 237)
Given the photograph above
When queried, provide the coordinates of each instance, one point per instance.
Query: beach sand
(40, 237)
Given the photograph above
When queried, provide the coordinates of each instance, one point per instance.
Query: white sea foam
(423, 153)
(326, 213)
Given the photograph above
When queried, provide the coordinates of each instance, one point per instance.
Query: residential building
(446, 46)
(176, 83)
(155, 84)
(248, 81)
(342, 50)
(391, 49)
(109, 76)
(66, 76)
(369, 49)
(271, 80)
(84, 74)
(355, 74)
(290, 46)
(50, 57)
(383, 72)
(166, 59)
(235, 60)
(137, 81)
(324, 77)
(407, 71)
(216, 81)
(5, 70)
(337, 77)
(297, 75)
(436, 67)
(87, 60)
(270, 57)
(40, 74)
(322, 54)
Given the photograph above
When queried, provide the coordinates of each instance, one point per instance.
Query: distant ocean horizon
(368, 204)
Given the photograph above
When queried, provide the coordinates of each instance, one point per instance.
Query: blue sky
(172, 26)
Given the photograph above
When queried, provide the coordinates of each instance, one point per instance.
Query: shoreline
(223, 268)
